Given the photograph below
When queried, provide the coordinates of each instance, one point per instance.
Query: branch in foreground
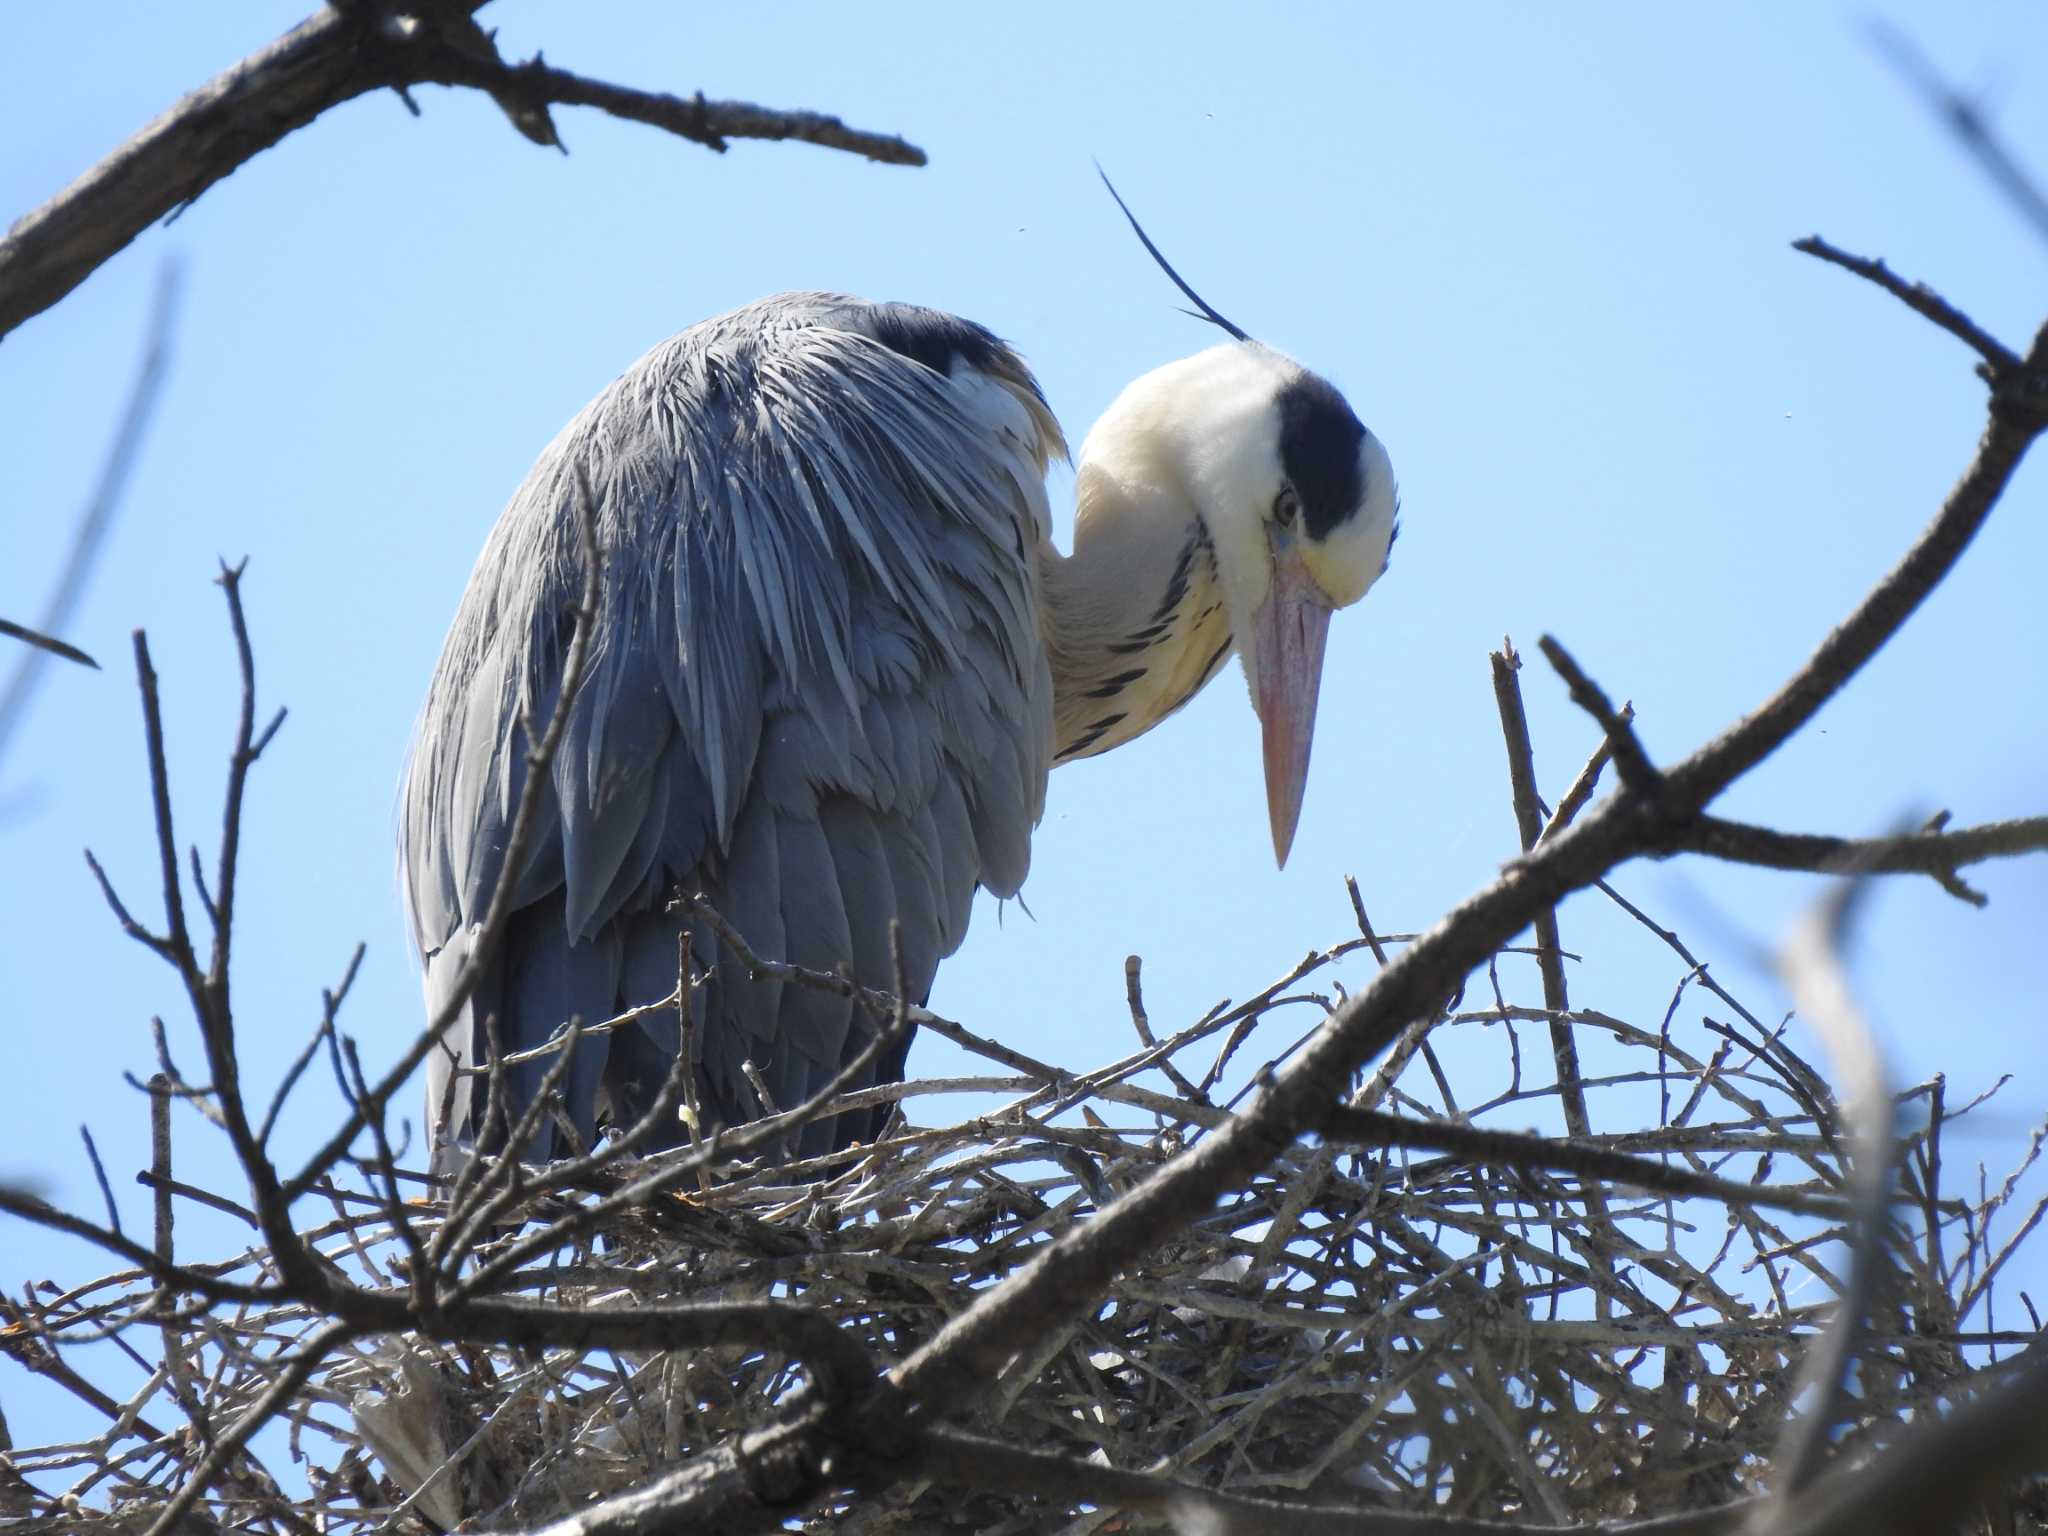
(346, 51)
(1930, 1480)
(1967, 121)
(1812, 967)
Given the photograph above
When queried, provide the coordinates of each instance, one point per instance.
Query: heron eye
(1285, 505)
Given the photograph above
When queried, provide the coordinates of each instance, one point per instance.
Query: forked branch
(347, 50)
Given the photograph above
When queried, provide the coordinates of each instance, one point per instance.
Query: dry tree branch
(302, 1272)
(347, 50)
(172, 1276)
(1529, 818)
(36, 639)
(2018, 414)
(207, 988)
(1919, 298)
(1624, 749)
(527, 90)
(1576, 798)
(89, 536)
(1934, 851)
(1474, 1144)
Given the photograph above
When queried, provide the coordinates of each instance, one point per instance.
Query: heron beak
(1289, 630)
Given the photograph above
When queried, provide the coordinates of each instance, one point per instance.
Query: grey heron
(836, 655)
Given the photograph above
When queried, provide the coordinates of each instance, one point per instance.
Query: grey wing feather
(817, 694)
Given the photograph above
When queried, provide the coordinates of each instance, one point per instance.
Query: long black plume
(1166, 266)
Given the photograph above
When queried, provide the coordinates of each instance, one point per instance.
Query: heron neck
(1135, 618)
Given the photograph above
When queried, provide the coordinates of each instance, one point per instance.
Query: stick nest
(1416, 1332)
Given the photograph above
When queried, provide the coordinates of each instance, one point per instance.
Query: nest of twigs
(1416, 1331)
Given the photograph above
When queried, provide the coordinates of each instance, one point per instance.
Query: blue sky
(1549, 264)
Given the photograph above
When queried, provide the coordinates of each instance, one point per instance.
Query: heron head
(1296, 499)
(1299, 502)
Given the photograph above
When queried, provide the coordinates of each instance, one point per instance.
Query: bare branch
(178, 1278)
(344, 51)
(330, 1008)
(89, 536)
(99, 1173)
(1630, 760)
(43, 642)
(528, 90)
(1576, 798)
(1936, 852)
(1510, 1149)
(227, 1446)
(1528, 806)
(1919, 298)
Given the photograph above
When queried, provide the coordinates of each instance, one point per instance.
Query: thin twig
(1919, 298)
(490, 933)
(89, 537)
(43, 642)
